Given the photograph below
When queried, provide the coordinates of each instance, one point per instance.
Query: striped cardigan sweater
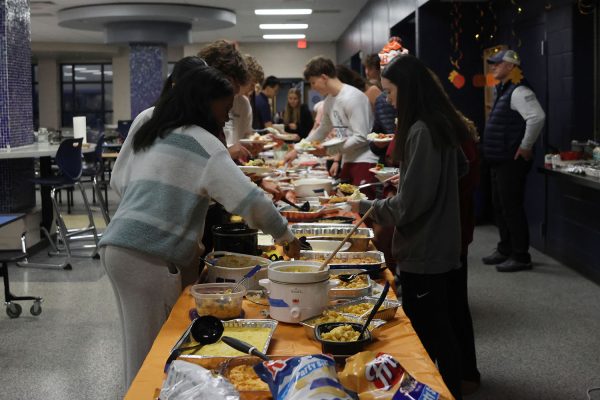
(165, 192)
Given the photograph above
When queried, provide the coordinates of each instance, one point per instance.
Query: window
(86, 90)
(35, 98)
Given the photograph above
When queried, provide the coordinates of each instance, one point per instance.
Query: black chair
(68, 159)
(94, 166)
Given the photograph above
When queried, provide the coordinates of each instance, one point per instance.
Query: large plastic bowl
(213, 299)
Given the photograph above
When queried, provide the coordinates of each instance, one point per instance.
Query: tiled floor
(536, 331)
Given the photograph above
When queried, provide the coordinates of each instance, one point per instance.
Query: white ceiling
(328, 21)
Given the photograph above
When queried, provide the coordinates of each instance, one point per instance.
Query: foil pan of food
(357, 287)
(360, 239)
(368, 260)
(362, 306)
(334, 316)
(257, 332)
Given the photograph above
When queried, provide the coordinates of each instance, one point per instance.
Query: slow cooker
(296, 296)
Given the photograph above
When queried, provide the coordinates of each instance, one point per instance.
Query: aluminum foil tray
(186, 338)
(350, 293)
(378, 259)
(334, 232)
(309, 324)
(387, 311)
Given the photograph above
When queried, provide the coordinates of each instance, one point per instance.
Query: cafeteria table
(43, 151)
(396, 338)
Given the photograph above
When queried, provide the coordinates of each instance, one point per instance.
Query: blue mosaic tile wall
(17, 193)
(147, 64)
(16, 112)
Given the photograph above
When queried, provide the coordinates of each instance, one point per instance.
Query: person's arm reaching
(223, 181)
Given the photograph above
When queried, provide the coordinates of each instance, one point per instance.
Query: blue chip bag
(379, 376)
(306, 377)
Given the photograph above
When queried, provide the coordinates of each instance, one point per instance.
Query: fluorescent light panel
(283, 11)
(285, 36)
(283, 26)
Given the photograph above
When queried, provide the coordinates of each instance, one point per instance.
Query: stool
(14, 309)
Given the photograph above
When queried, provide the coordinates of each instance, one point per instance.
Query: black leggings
(427, 300)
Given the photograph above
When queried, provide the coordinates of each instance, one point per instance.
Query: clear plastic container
(218, 299)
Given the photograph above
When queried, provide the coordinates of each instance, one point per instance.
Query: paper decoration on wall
(516, 75)
(456, 55)
(456, 79)
(479, 81)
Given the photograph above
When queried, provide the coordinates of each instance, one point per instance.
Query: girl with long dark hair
(425, 211)
(176, 165)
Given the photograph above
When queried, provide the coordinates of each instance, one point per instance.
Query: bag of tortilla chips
(378, 376)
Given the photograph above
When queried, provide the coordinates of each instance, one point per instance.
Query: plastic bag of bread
(378, 376)
(302, 378)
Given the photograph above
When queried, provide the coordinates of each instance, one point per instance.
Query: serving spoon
(208, 330)
(351, 277)
(382, 297)
(304, 207)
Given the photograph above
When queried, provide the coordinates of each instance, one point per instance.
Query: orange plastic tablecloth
(396, 338)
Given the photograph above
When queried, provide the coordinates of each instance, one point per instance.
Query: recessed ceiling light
(283, 26)
(283, 11)
(285, 36)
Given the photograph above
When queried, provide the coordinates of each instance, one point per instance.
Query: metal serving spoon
(350, 277)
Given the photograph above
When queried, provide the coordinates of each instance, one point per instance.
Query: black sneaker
(495, 258)
(511, 265)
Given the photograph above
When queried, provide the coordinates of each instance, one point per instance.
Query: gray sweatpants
(145, 291)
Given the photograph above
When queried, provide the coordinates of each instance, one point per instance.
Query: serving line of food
(294, 312)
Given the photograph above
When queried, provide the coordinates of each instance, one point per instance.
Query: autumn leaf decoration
(516, 75)
(456, 79)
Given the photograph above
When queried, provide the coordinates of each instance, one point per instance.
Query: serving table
(396, 338)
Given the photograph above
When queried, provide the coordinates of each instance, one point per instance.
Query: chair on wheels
(13, 310)
(68, 159)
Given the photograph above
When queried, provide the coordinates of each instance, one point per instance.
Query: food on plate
(347, 188)
(342, 333)
(357, 283)
(380, 136)
(333, 200)
(257, 337)
(259, 162)
(357, 195)
(306, 145)
(357, 309)
(379, 166)
(243, 377)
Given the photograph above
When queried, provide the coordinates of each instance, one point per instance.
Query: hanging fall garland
(456, 56)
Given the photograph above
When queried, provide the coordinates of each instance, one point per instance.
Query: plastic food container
(341, 348)
(212, 299)
(233, 268)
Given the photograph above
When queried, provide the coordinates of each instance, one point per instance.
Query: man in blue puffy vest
(512, 129)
